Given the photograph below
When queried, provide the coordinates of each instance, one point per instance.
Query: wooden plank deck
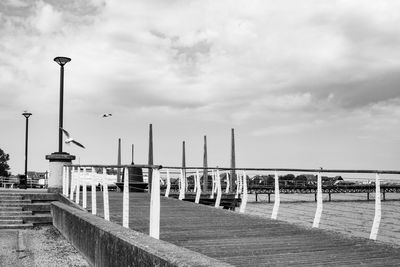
(244, 240)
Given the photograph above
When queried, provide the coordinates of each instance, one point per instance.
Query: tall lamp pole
(26, 115)
(61, 61)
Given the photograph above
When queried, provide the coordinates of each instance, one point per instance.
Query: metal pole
(26, 148)
(150, 162)
(183, 160)
(61, 113)
(233, 161)
(205, 166)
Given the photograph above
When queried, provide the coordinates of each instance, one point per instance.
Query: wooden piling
(233, 162)
(205, 166)
(150, 162)
(119, 161)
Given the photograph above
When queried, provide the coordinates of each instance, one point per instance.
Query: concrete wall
(105, 243)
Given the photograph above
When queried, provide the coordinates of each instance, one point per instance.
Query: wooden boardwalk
(244, 240)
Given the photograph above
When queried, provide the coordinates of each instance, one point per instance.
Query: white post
(73, 177)
(94, 183)
(378, 211)
(155, 205)
(105, 201)
(125, 200)
(168, 184)
(213, 184)
(78, 186)
(84, 192)
(218, 189)
(318, 212)
(277, 200)
(227, 182)
(182, 187)
(64, 179)
(237, 184)
(198, 192)
(244, 195)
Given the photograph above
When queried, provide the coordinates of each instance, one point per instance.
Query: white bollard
(182, 186)
(198, 192)
(155, 205)
(125, 200)
(244, 195)
(227, 182)
(277, 200)
(105, 200)
(94, 182)
(378, 209)
(71, 193)
(168, 184)
(213, 184)
(78, 186)
(218, 189)
(318, 212)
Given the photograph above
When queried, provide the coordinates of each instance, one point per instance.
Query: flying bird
(70, 139)
(106, 115)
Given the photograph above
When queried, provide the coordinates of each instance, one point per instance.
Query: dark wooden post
(233, 163)
(205, 165)
(119, 161)
(183, 160)
(150, 155)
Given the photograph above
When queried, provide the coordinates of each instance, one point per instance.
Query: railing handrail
(117, 166)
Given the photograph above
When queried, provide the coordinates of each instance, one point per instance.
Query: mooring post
(150, 174)
(233, 161)
(205, 166)
(184, 163)
(119, 161)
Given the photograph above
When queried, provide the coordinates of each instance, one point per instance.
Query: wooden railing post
(277, 198)
(318, 212)
(155, 205)
(125, 200)
(378, 211)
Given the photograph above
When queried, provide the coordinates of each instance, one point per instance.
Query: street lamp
(26, 115)
(61, 61)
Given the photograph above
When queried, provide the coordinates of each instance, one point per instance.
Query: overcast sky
(305, 84)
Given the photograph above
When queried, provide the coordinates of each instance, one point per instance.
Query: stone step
(45, 206)
(16, 201)
(11, 221)
(11, 208)
(29, 218)
(10, 197)
(16, 226)
(12, 212)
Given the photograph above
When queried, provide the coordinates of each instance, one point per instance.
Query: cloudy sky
(305, 84)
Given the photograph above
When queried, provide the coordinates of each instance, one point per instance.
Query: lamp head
(26, 114)
(62, 60)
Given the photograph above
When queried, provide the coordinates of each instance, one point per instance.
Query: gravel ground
(40, 247)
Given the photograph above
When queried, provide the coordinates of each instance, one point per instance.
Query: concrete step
(10, 197)
(11, 221)
(16, 226)
(16, 201)
(12, 208)
(13, 212)
(29, 218)
(27, 206)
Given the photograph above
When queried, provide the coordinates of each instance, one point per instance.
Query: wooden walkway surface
(244, 240)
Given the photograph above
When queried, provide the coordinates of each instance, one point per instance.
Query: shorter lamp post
(26, 115)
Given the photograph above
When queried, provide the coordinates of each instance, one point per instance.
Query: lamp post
(26, 115)
(61, 61)
(59, 159)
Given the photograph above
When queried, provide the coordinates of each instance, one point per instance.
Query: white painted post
(105, 200)
(237, 184)
(213, 184)
(84, 193)
(125, 200)
(78, 186)
(168, 184)
(378, 210)
(182, 187)
(277, 197)
(94, 183)
(64, 179)
(244, 195)
(155, 205)
(218, 189)
(227, 182)
(198, 192)
(73, 178)
(318, 212)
